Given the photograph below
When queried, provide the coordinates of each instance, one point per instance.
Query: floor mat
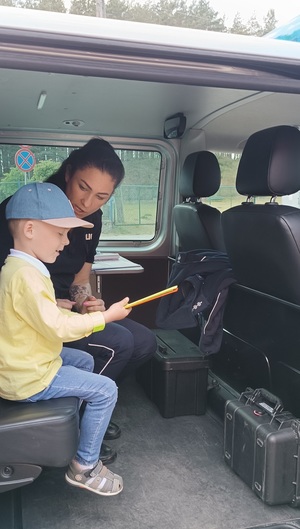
(174, 477)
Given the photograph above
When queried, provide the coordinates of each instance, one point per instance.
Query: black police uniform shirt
(82, 249)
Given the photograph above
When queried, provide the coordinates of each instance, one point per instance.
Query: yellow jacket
(33, 329)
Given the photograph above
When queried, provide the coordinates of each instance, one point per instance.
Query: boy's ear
(28, 229)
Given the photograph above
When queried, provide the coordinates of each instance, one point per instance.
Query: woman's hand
(65, 304)
(92, 304)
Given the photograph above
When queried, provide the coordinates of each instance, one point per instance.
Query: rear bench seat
(34, 435)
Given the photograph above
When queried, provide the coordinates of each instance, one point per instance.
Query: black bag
(261, 444)
(203, 278)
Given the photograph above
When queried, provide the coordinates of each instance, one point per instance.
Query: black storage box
(176, 378)
(261, 444)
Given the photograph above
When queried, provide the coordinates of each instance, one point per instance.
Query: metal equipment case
(261, 444)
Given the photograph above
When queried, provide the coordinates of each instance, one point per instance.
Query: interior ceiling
(114, 107)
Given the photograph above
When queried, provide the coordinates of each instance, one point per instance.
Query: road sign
(25, 159)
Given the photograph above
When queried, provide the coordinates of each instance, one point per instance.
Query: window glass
(228, 197)
(131, 212)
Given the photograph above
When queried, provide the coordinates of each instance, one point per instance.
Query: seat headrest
(200, 175)
(270, 163)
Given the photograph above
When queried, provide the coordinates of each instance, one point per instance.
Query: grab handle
(261, 395)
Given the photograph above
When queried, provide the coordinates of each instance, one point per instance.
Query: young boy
(33, 364)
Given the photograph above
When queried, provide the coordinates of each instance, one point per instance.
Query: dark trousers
(119, 349)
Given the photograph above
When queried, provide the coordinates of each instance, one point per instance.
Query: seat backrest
(263, 245)
(198, 225)
(263, 240)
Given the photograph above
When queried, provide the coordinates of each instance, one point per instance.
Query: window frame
(159, 244)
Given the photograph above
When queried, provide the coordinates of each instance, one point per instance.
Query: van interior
(162, 97)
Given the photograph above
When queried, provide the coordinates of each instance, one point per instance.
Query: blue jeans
(76, 379)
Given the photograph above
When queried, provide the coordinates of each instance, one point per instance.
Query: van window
(131, 212)
(228, 197)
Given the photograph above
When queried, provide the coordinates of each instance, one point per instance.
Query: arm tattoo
(79, 293)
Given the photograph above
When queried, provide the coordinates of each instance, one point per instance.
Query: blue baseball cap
(46, 202)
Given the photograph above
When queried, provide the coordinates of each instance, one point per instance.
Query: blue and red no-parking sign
(25, 159)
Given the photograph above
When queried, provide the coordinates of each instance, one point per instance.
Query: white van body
(66, 78)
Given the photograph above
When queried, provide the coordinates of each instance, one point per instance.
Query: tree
(197, 14)
(253, 26)
(270, 22)
(57, 6)
(237, 26)
(26, 4)
(83, 7)
(15, 178)
(201, 16)
(44, 169)
(7, 3)
(119, 10)
(7, 158)
(11, 182)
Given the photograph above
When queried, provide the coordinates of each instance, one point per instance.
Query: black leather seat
(35, 435)
(263, 240)
(263, 244)
(197, 224)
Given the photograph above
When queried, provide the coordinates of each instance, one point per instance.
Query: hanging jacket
(203, 278)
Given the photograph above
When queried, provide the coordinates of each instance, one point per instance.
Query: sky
(285, 10)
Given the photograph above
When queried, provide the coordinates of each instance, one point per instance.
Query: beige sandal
(98, 479)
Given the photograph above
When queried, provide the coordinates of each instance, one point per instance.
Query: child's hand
(65, 304)
(116, 311)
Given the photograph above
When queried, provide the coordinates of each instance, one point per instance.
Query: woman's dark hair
(96, 153)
